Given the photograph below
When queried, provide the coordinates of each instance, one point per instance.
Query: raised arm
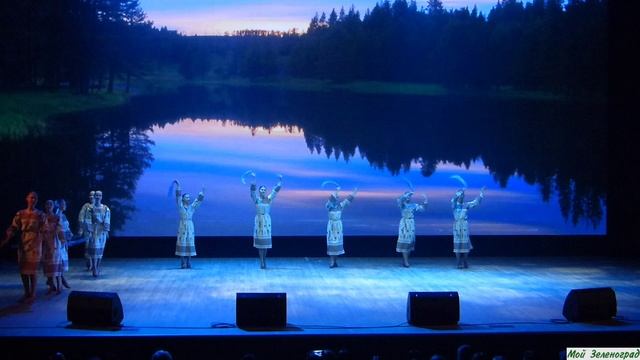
(477, 200)
(252, 190)
(178, 193)
(276, 189)
(198, 200)
(423, 206)
(349, 198)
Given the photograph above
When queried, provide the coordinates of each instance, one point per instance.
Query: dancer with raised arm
(99, 224)
(461, 240)
(407, 228)
(262, 221)
(29, 223)
(335, 235)
(185, 244)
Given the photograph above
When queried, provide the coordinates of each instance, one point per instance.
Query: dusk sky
(215, 17)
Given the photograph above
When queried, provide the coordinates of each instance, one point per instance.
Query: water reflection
(560, 148)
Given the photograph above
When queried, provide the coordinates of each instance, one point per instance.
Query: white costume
(262, 222)
(335, 243)
(185, 245)
(407, 228)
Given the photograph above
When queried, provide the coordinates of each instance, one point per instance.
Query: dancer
(29, 222)
(83, 228)
(461, 241)
(99, 223)
(61, 207)
(185, 245)
(335, 242)
(407, 228)
(262, 222)
(52, 243)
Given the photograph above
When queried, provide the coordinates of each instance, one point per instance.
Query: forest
(96, 45)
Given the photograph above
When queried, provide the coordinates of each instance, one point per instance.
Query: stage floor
(361, 296)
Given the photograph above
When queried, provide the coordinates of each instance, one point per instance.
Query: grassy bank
(171, 79)
(23, 113)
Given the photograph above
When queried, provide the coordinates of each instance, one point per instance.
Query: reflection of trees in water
(78, 154)
(560, 147)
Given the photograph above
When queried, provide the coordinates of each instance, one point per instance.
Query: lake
(543, 162)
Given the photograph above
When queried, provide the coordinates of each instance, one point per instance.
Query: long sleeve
(82, 218)
(107, 218)
(475, 202)
(252, 191)
(14, 227)
(344, 203)
(198, 201)
(178, 196)
(275, 191)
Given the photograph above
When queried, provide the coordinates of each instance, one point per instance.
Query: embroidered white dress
(64, 250)
(262, 221)
(185, 244)
(52, 244)
(335, 236)
(407, 228)
(461, 240)
(99, 224)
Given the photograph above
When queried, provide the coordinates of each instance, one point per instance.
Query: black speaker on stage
(433, 308)
(94, 308)
(594, 304)
(261, 310)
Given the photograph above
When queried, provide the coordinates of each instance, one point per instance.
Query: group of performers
(185, 244)
(46, 236)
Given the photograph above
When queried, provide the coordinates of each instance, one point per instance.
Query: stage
(500, 298)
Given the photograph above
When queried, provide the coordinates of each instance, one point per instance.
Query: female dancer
(407, 228)
(461, 241)
(262, 221)
(29, 222)
(335, 242)
(61, 205)
(185, 244)
(99, 224)
(53, 242)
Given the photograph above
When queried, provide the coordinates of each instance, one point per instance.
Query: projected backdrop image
(543, 163)
(372, 96)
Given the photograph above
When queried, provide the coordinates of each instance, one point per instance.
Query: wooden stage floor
(361, 296)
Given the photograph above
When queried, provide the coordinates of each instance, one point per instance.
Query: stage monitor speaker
(94, 308)
(594, 304)
(433, 308)
(261, 310)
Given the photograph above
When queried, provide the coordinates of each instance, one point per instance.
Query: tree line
(545, 45)
(83, 44)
